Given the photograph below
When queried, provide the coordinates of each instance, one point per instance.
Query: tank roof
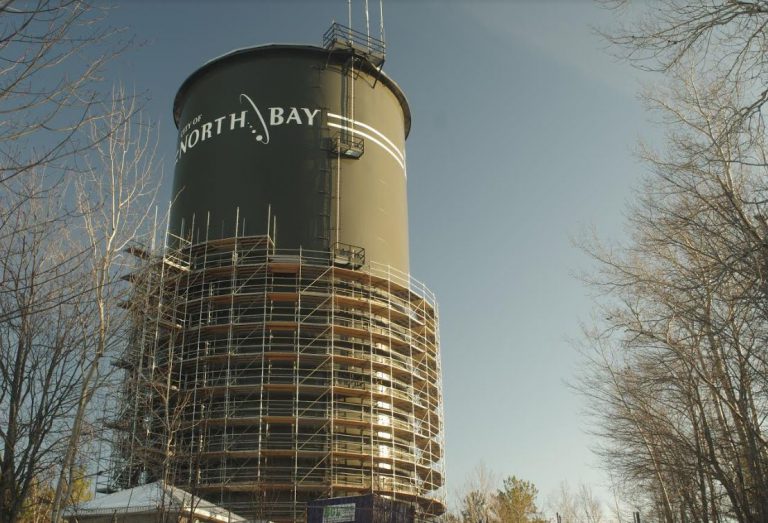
(332, 54)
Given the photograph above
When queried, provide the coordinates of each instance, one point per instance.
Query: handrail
(341, 34)
(311, 259)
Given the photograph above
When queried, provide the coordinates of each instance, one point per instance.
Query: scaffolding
(261, 379)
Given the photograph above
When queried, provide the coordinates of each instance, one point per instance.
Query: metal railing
(347, 145)
(341, 36)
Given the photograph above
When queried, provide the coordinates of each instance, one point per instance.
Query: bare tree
(51, 56)
(575, 507)
(722, 44)
(114, 197)
(677, 364)
(39, 358)
(589, 506)
(60, 304)
(74, 188)
(677, 361)
(476, 502)
(725, 38)
(563, 504)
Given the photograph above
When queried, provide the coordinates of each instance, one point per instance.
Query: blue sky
(522, 139)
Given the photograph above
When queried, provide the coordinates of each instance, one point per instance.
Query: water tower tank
(262, 130)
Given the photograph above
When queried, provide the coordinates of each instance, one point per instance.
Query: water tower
(282, 352)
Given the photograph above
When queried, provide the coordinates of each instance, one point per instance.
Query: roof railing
(347, 145)
(339, 36)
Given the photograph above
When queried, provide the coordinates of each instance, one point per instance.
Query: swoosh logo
(262, 135)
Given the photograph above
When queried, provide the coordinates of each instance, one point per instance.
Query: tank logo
(252, 118)
(262, 137)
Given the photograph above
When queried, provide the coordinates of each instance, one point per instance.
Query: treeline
(76, 186)
(677, 362)
(486, 499)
